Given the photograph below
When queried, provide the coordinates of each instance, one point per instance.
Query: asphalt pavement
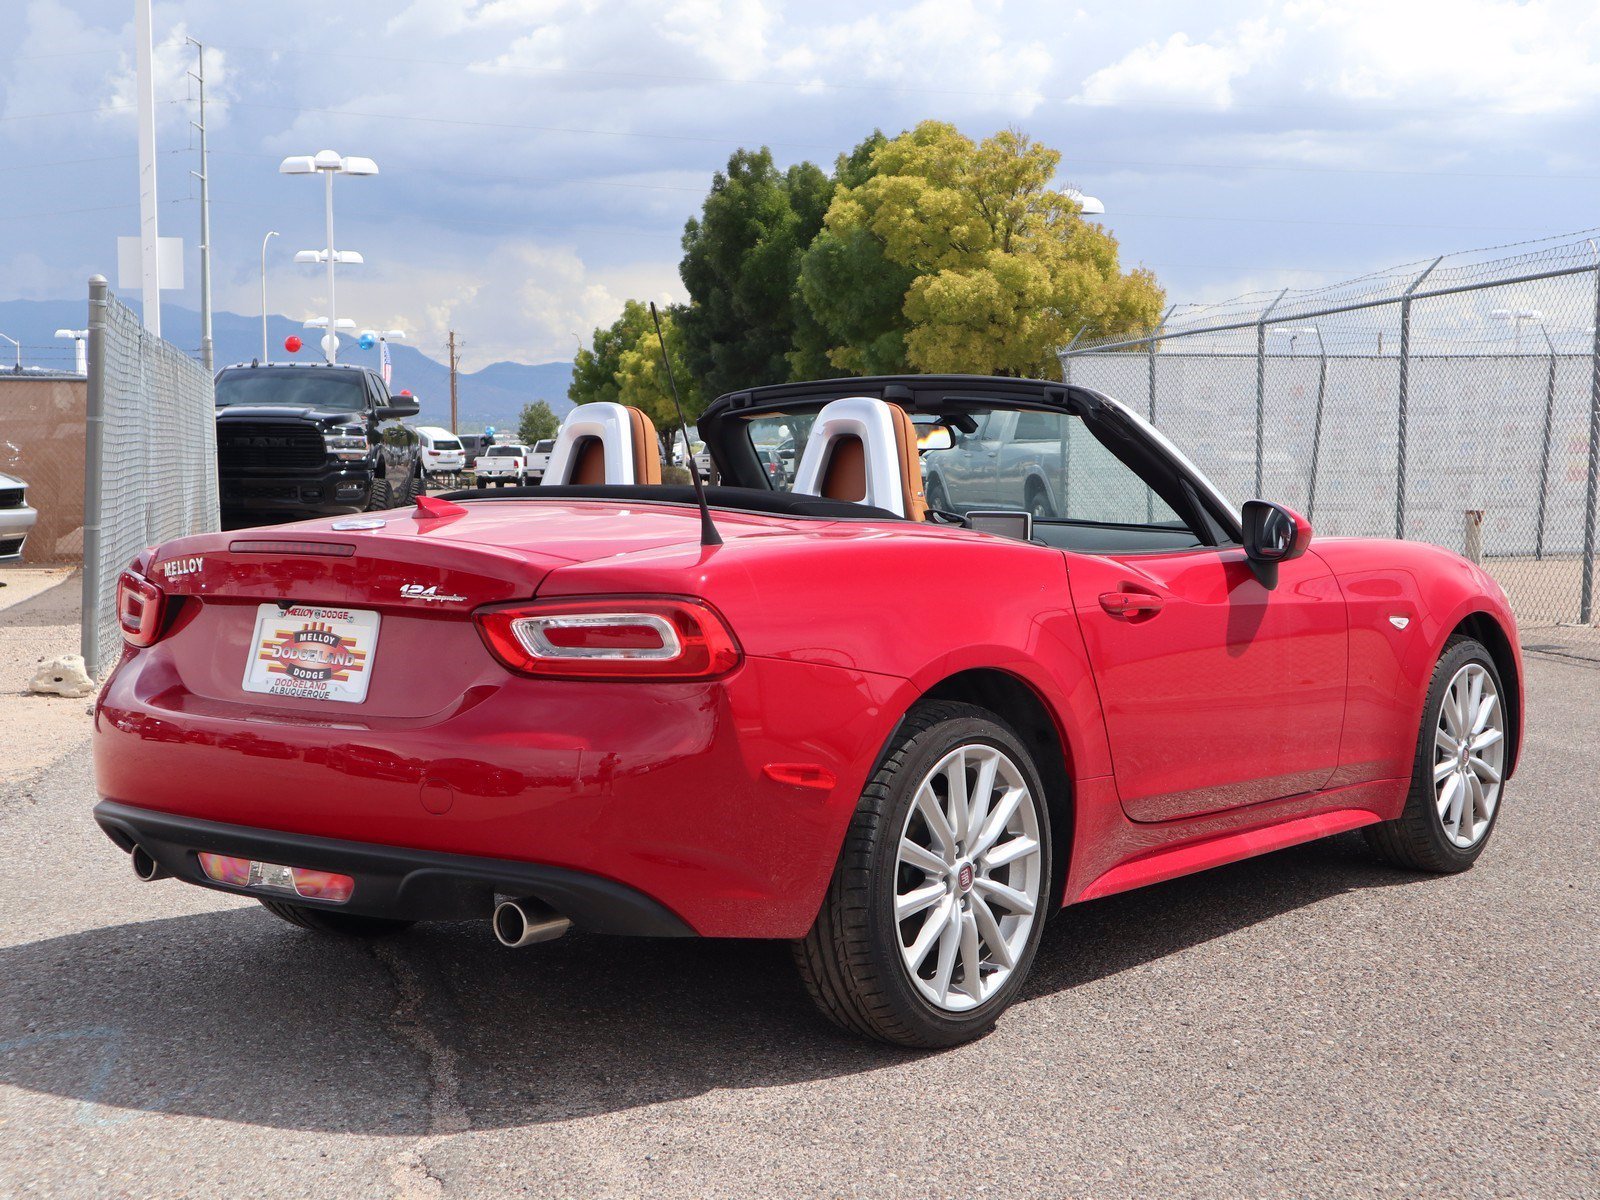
(1305, 1024)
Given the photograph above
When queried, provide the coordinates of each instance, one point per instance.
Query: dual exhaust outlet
(516, 923)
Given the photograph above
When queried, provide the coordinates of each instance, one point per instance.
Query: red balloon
(405, 391)
(292, 344)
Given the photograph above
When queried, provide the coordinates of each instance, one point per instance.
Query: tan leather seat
(605, 443)
(864, 450)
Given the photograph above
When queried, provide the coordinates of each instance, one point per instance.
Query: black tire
(320, 920)
(1416, 839)
(937, 497)
(851, 959)
(1039, 503)
(381, 497)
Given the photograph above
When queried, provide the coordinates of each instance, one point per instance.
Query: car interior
(1066, 469)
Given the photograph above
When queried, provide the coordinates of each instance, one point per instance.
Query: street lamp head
(1516, 314)
(1088, 206)
(322, 323)
(297, 164)
(326, 161)
(384, 335)
(72, 333)
(354, 165)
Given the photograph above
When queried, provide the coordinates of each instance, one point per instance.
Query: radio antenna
(708, 531)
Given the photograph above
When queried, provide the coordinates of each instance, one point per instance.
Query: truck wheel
(929, 926)
(380, 498)
(320, 920)
(1039, 503)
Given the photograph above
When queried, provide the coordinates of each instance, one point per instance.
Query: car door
(970, 469)
(1217, 691)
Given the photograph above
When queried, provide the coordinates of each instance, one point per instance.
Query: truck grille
(268, 445)
(10, 497)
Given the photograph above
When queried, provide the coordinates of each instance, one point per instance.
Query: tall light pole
(18, 345)
(265, 356)
(81, 338)
(1518, 317)
(329, 164)
(149, 223)
(1322, 389)
(204, 175)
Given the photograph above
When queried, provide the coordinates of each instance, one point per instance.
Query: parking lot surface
(1304, 1024)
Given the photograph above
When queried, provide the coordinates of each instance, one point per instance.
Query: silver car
(16, 518)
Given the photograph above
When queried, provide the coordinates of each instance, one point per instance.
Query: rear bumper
(659, 788)
(391, 881)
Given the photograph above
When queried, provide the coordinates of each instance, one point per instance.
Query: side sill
(1190, 857)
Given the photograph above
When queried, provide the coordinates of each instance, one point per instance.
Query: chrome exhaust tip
(524, 922)
(145, 867)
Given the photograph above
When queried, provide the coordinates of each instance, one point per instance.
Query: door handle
(1120, 604)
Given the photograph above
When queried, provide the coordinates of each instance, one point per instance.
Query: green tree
(993, 267)
(623, 365)
(537, 422)
(741, 257)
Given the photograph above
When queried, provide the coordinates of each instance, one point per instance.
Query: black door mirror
(399, 406)
(1273, 534)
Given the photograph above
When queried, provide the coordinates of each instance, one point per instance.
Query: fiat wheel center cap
(964, 878)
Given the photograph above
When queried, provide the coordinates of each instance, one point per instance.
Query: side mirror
(1273, 534)
(400, 406)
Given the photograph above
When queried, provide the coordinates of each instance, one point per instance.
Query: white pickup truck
(504, 465)
(539, 459)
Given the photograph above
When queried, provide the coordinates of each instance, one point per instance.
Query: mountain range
(490, 396)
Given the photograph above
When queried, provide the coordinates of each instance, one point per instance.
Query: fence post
(1405, 386)
(1316, 428)
(1261, 386)
(1586, 601)
(1061, 435)
(1544, 454)
(93, 472)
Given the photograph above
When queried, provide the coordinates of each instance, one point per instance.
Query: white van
(441, 451)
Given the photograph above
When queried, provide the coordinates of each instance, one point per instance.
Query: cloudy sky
(539, 157)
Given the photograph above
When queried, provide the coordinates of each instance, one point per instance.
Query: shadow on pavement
(236, 1016)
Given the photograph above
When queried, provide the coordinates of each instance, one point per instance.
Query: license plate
(312, 653)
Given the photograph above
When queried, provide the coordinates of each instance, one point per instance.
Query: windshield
(293, 387)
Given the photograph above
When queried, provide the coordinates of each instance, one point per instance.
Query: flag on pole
(384, 353)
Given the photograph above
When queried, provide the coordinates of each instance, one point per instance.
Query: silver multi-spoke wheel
(967, 877)
(1469, 753)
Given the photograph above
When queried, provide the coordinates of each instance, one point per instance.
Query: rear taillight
(627, 637)
(140, 605)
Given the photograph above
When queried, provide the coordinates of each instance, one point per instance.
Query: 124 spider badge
(312, 653)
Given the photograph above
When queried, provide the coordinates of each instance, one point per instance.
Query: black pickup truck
(305, 440)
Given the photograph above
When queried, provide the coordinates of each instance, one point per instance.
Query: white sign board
(130, 264)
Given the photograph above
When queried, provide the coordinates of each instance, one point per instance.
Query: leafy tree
(537, 422)
(740, 261)
(623, 366)
(994, 268)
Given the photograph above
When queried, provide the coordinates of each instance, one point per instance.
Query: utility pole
(454, 363)
(204, 175)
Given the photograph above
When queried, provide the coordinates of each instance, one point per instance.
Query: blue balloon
(367, 341)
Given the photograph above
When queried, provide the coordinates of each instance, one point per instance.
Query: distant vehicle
(442, 452)
(539, 458)
(16, 518)
(771, 460)
(503, 465)
(302, 440)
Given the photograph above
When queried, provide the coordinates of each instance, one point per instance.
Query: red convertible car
(898, 736)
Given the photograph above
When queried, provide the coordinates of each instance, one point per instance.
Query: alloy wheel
(968, 877)
(1469, 755)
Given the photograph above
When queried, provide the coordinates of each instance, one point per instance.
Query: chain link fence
(1455, 401)
(151, 457)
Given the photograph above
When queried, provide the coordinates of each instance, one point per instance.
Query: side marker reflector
(299, 881)
(805, 775)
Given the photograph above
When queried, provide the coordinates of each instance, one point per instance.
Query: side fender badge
(1399, 622)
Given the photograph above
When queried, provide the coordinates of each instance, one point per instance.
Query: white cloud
(1182, 71)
